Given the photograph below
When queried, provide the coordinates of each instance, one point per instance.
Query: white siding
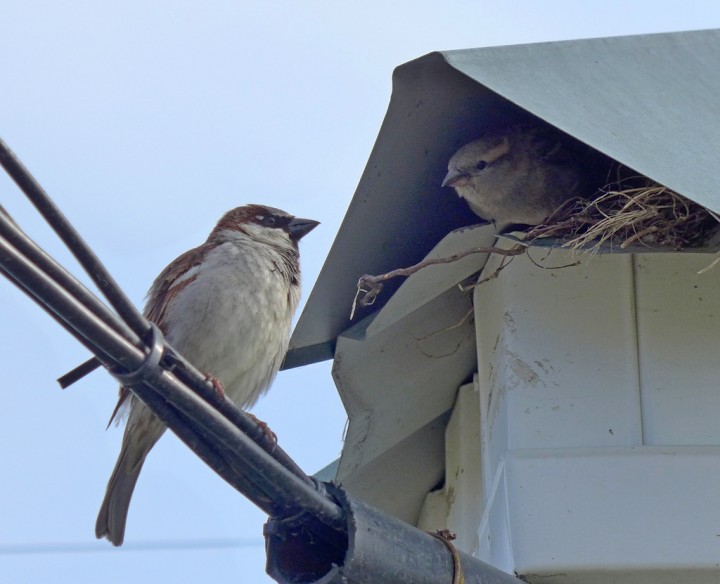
(598, 422)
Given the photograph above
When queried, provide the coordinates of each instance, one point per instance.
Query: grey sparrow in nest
(520, 174)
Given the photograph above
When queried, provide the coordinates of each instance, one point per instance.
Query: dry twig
(651, 215)
(368, 287)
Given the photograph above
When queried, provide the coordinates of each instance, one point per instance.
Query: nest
(630, 212)
(622, 215)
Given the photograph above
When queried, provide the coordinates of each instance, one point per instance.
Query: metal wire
(208, 423)
(181, 367)
(27, 247)
(75, 243)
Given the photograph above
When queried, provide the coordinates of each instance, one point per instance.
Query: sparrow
(226, 306)
(520, 174)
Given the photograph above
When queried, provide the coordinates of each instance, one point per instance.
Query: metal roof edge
(657, 111)
(648, 101)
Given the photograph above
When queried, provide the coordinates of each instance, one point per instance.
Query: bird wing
(556, 148)
(170, 283)
(177, 275)
(548, 145)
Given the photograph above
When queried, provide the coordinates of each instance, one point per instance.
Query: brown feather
(161, 294)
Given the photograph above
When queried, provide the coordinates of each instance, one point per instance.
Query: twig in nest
(462, 321)
(537, 263)
(710, 266)
(633, 210)
(368, 287)
(504, 263)
(649, 214)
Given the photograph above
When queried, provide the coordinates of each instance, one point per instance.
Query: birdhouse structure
(562, 414)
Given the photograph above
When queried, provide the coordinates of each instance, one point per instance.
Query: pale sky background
(145, 121)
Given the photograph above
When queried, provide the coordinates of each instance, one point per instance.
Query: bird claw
(269, 434)
(216, 383)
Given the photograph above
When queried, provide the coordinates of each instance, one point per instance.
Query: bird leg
(269, 434)
(216, 383)
(264, 428)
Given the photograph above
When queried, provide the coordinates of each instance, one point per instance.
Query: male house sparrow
(227, 307)
(519, 175)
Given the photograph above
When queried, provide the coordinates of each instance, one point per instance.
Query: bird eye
(267, 220)
(481, 165)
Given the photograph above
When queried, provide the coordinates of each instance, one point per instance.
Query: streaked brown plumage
(227, 307)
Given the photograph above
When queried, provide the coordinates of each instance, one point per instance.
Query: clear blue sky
(145, 121)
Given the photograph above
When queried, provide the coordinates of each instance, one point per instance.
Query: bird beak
(455, 178)
(299, 228)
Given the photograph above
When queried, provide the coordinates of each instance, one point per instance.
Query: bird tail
(114, 509)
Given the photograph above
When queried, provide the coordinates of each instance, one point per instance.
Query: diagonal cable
(182, 398)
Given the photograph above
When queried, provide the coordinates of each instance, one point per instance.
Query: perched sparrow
(519, 175)
(226, 306)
